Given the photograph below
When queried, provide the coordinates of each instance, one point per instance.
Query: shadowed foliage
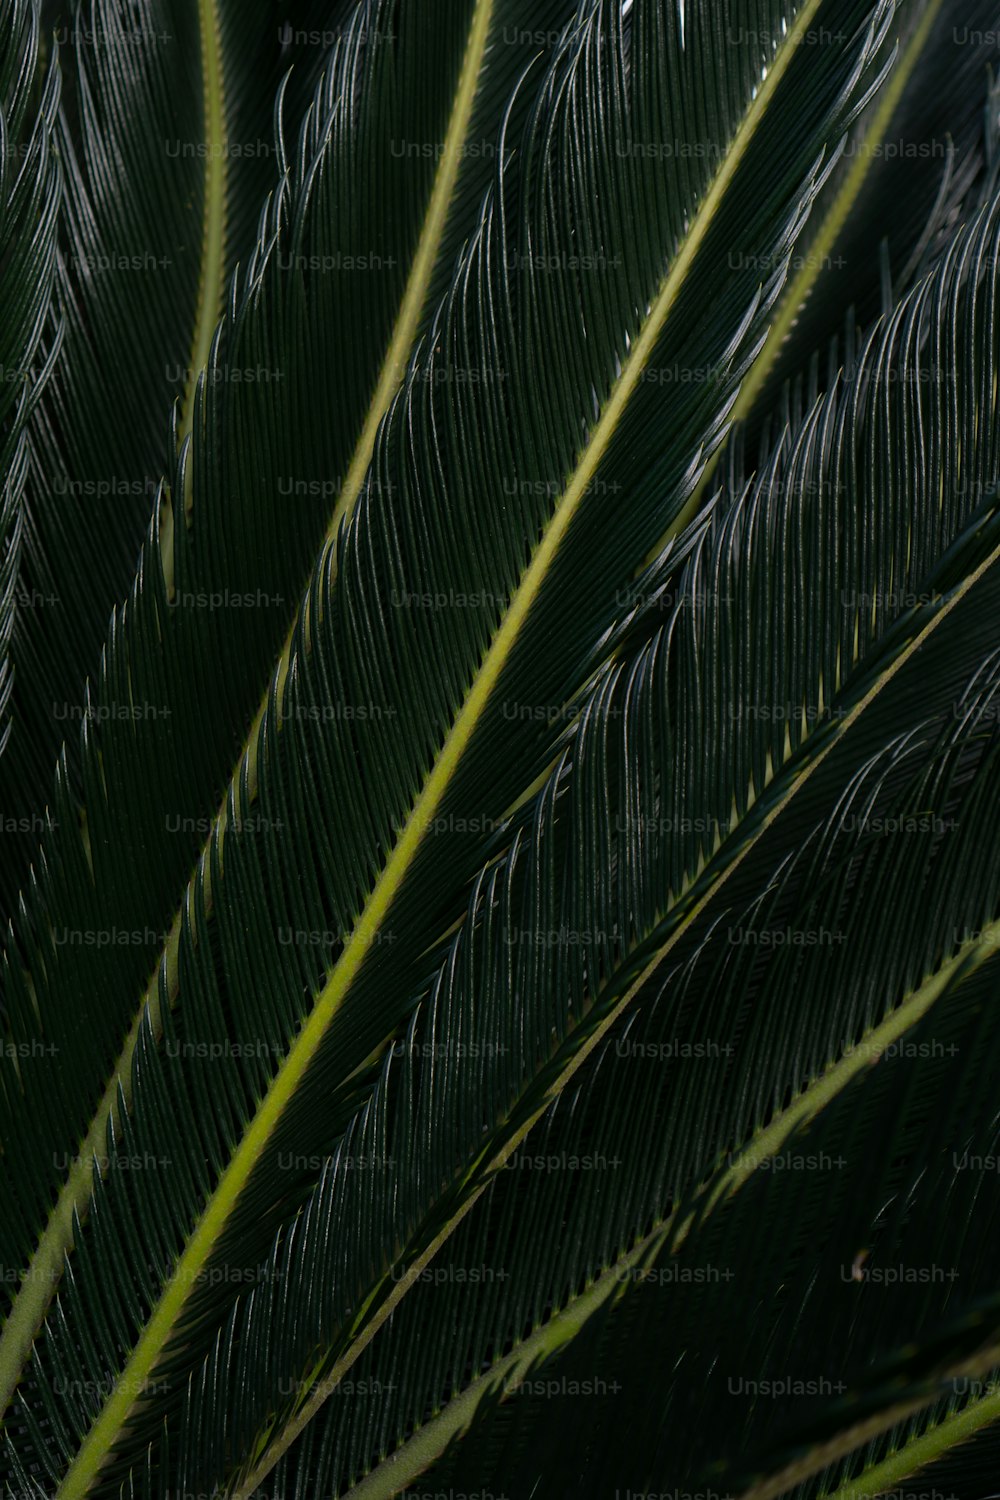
(499, 699)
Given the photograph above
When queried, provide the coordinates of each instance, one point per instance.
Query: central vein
(213, 253)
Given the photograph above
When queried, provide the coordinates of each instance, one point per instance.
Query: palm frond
(368, 1001)
(436, 857)
(165, 139)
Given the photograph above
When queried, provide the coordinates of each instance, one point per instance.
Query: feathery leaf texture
(146, 717)
(30, 194)
(543, 753)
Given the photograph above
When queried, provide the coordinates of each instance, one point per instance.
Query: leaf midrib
(798, 290)
(213, 255)
(96, 1446)
(934, 1443)
(212, 268)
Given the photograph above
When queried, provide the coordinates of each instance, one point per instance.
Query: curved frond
(505, 871)
(920, 161)
(374, 851)
(570, 1234)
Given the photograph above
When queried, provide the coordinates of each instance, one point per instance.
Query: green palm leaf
(534, 585)
(377, 1053)
(719, 1021)
(148, 270)
(918, 162)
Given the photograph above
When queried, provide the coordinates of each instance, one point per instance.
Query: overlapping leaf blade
(365, 891)
(604, 1163)
(583, 1189)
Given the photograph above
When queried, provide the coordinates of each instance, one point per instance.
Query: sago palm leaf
(343, 994)
(836, 1292)
(374, 1030)
(717, 1017)
(147, 271)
